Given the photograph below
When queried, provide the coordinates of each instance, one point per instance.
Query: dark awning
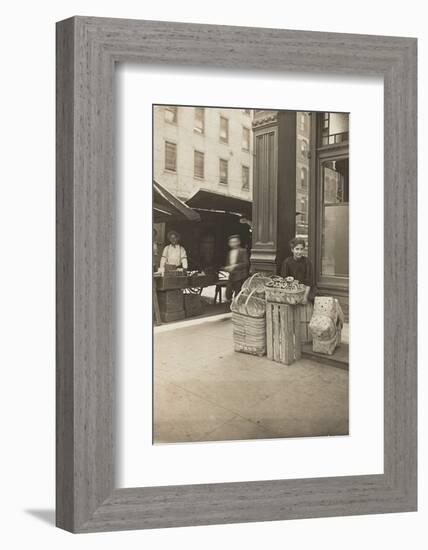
(204, 199)
(166, 207)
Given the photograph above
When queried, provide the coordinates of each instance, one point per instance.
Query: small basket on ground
(249, 324)
(284, 291)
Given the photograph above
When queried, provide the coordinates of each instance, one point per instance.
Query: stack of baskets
(249, 317)
(249, 309)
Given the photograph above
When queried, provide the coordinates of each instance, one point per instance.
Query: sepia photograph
(250, 274)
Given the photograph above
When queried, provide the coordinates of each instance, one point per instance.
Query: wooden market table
(167, 291)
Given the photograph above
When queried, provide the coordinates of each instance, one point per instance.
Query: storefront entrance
(301, 187)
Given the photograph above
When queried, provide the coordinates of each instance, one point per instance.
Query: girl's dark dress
(300, 269)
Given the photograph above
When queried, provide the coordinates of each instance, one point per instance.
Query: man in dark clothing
(237, 266)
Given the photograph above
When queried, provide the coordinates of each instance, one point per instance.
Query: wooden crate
(306, 312)
(171, 305)
(172, 282)
(192, 305)
(283, 332)
(249, 334)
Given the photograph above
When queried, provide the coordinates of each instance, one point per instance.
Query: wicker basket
(249, 334)
(284, 291)
(256, 283)
(250, 305)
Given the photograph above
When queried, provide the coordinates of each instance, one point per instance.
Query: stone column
(274, 188)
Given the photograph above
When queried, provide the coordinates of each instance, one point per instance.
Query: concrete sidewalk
(205, 391)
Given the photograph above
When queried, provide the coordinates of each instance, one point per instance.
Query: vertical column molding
(265, 184)
(274, 188)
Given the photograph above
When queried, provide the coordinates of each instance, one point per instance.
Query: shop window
(335, 217)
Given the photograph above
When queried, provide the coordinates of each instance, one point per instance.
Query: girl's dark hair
(297, 240)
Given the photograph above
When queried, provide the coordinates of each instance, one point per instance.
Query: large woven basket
(284, 291)
(256, 283)
(249, 334)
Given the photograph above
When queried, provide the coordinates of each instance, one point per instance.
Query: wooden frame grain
(87, 50)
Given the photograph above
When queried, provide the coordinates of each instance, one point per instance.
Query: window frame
(222, 140)
(243, 168)
(327, 281)
(244, 129)
(169, 142)
(172, 109)
(227, 171)
(196, 129)
(195, 153)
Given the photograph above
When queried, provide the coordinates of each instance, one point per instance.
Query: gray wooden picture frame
(87, 50)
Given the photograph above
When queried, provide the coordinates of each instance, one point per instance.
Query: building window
(303, 148)
(303, 210)
(303, 122)
(199, 125)
(170, 156)
(198, 165)
(223, 171)
(245, 178)
(171, 114)
(245, 139)
(334, 128)
(224, 129)
(304, 178)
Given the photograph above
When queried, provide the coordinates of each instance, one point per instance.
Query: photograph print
(250, 269)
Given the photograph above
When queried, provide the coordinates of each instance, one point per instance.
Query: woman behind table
(299, 267)
(174, 255)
